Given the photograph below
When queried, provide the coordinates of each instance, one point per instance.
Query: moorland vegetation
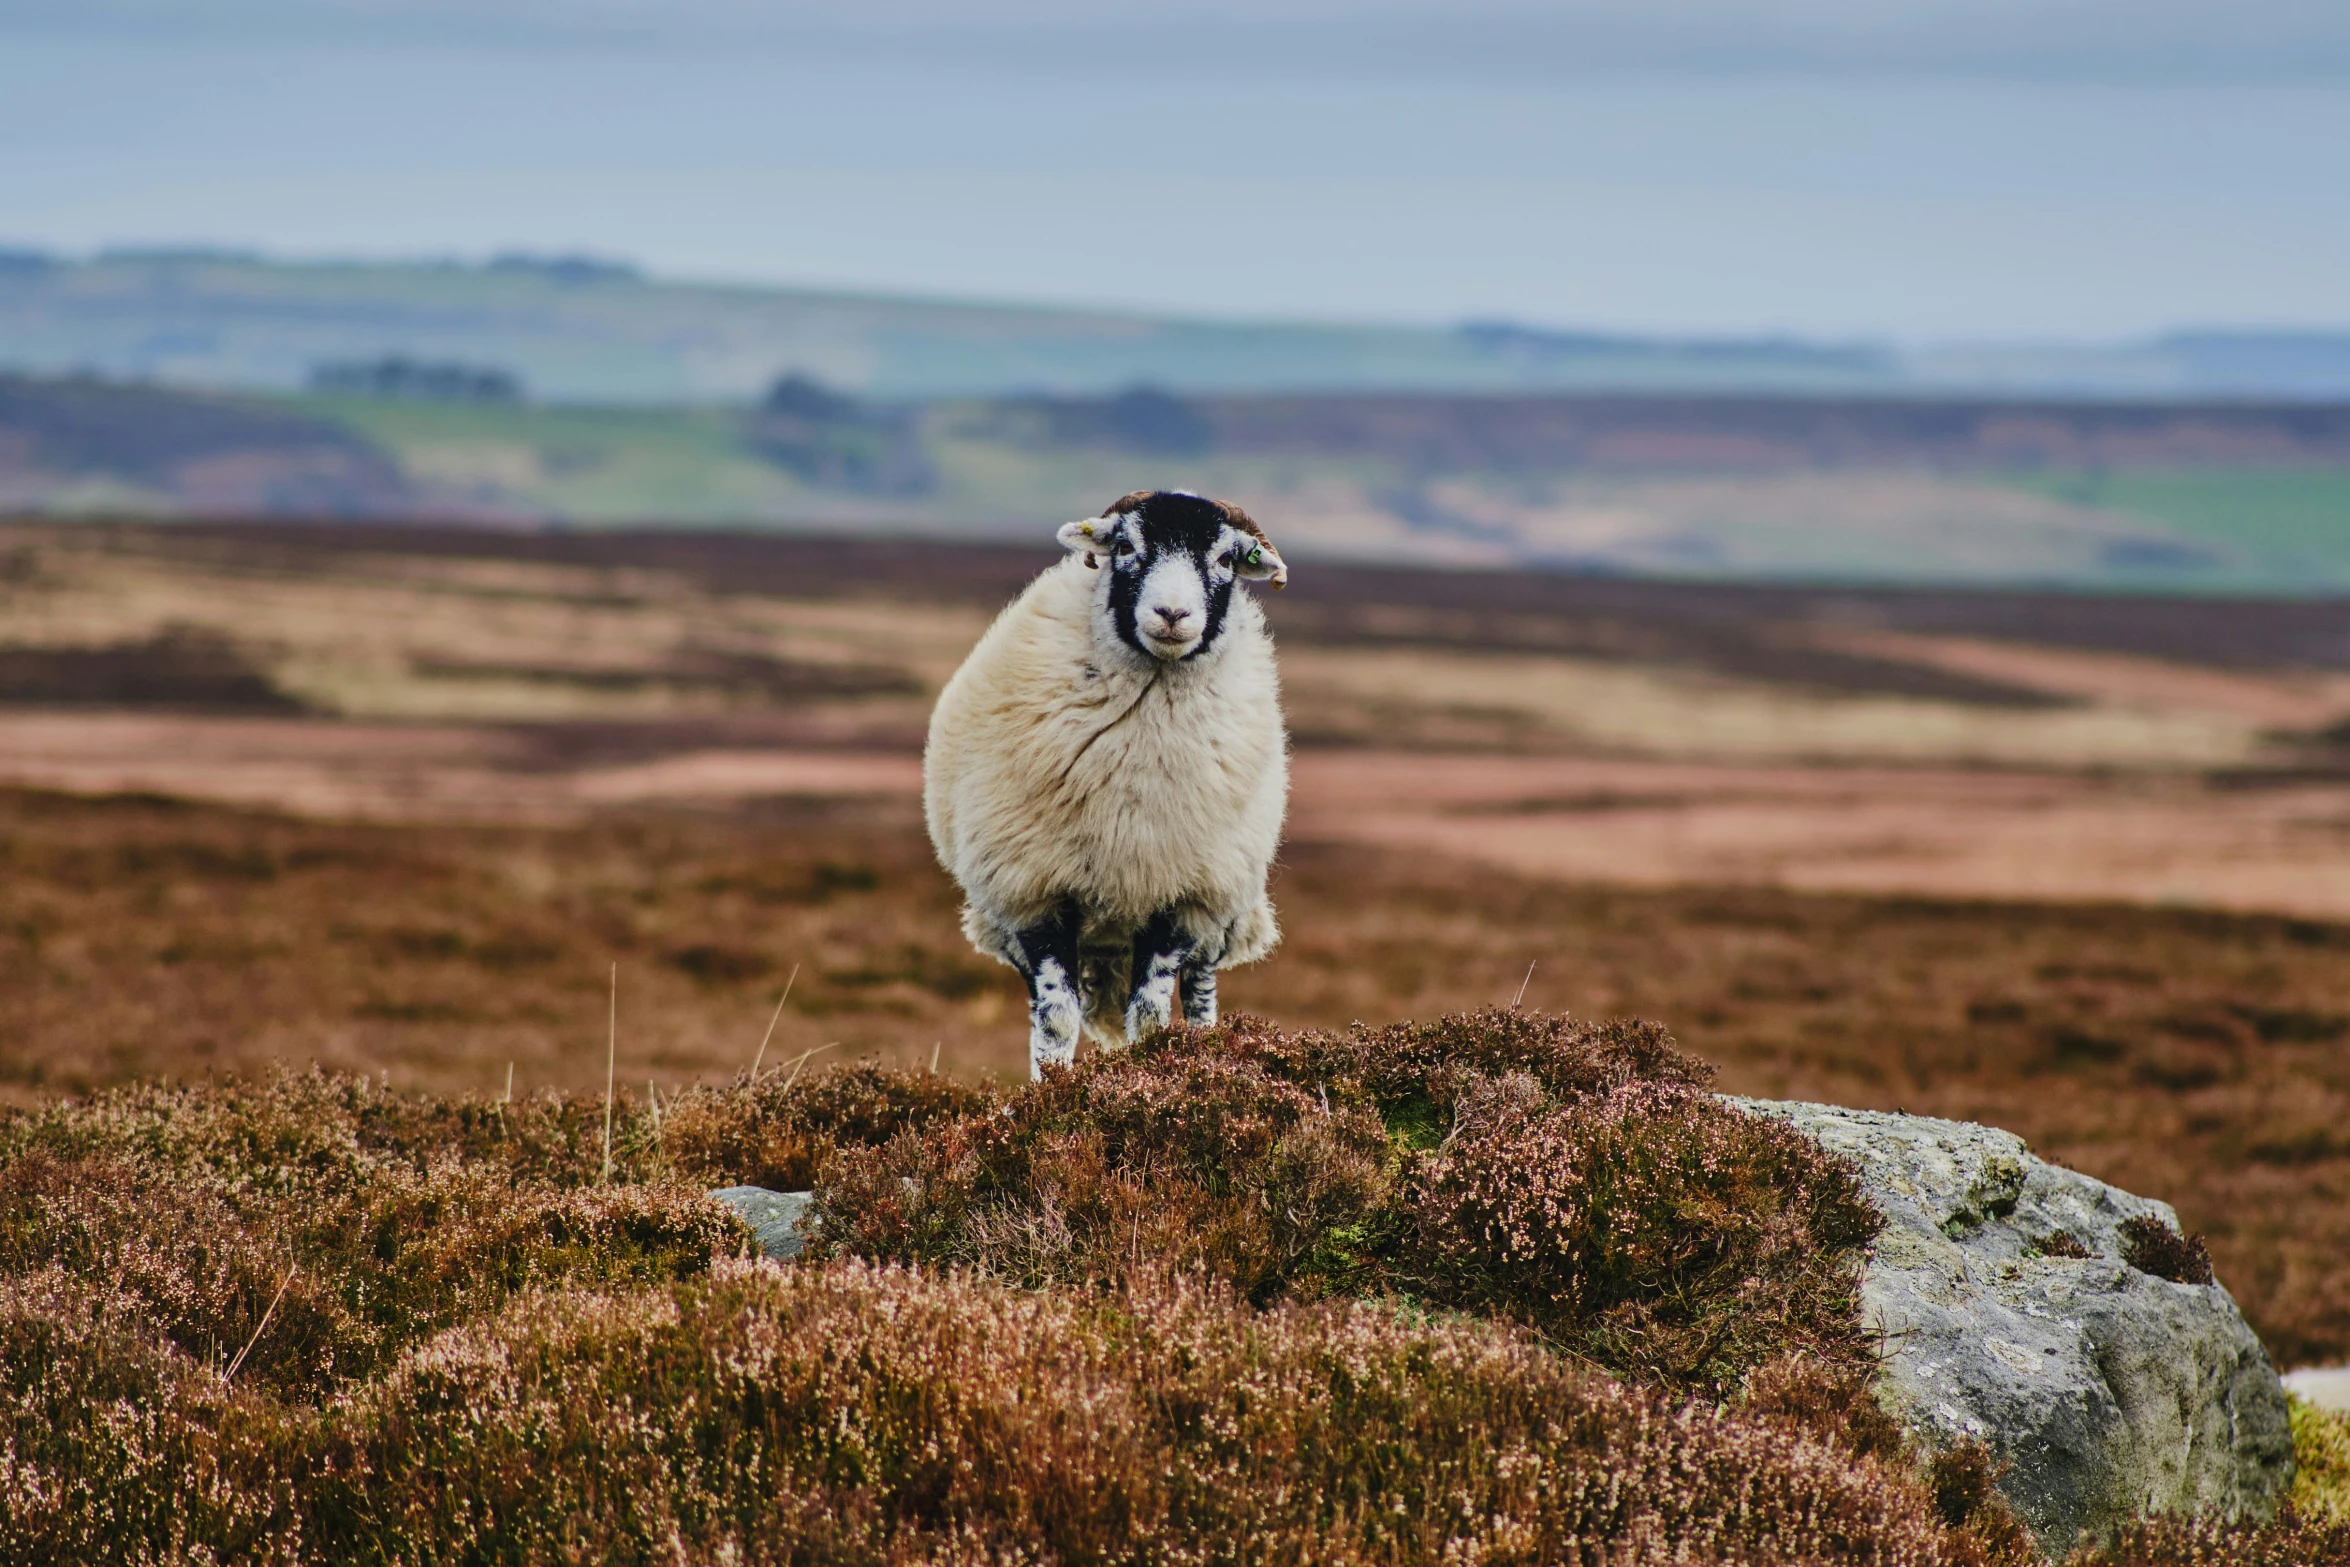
(1235, 1294)
(2183, 1054)
(1504, 1287)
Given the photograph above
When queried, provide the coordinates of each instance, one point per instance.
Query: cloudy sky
(2081, 169)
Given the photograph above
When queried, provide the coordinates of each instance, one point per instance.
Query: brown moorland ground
(2192, 1055)
(1982, 745)
(477, 1330)
(1964, 853)
(398, 804)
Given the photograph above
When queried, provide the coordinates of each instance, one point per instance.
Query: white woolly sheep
(1107, 773)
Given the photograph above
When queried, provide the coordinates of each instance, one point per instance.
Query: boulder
(781, 1220)
(2108, 1392)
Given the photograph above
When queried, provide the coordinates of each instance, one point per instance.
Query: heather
(361, 1221)
(312, 1319)
(1504, 1287)
(2293, 1541)
(854, 1414)
(1571, 1177)
(2181, 1053)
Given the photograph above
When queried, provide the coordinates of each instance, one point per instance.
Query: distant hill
(576, 329)
(2200, 496)
(1688, 433)
(83, 444)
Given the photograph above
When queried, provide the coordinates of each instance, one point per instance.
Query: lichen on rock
(2011, 1314)
(781, 1220)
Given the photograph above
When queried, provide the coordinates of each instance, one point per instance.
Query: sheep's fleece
(1068, 769)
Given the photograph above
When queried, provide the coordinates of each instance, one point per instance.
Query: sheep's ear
(1260, 562)
(1087, 535)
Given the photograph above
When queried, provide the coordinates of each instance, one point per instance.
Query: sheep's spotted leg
(1056, 1008)
(1161, 950)
(1199, 995)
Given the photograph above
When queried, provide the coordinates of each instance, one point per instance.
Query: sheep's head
(1171, 560)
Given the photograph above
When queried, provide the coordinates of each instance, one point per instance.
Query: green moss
(1417, 1123)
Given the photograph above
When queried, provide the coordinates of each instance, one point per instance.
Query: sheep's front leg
(1162, 954)
(1199, 995)
(1056, 1008)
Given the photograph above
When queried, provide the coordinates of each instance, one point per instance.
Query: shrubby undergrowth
(1500, 1288)
(361, 1222)
(1571, 1177)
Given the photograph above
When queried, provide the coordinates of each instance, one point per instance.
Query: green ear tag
(1256, 555)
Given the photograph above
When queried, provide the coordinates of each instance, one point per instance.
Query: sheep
(1107, 773)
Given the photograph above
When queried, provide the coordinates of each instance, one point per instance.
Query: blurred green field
(697, 466)
(2281, 524)
(2201, 498)
(2232, 529)
(589, 464)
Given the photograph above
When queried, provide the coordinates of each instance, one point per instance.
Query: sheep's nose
(1173, 617)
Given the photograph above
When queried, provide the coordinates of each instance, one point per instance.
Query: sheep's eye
(1226, 561)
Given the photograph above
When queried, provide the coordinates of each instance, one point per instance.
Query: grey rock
(781, 1220)
(2110, 1394)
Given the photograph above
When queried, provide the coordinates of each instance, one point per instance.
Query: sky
(1907, 169)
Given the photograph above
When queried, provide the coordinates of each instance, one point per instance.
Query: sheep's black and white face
(1170, 559)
